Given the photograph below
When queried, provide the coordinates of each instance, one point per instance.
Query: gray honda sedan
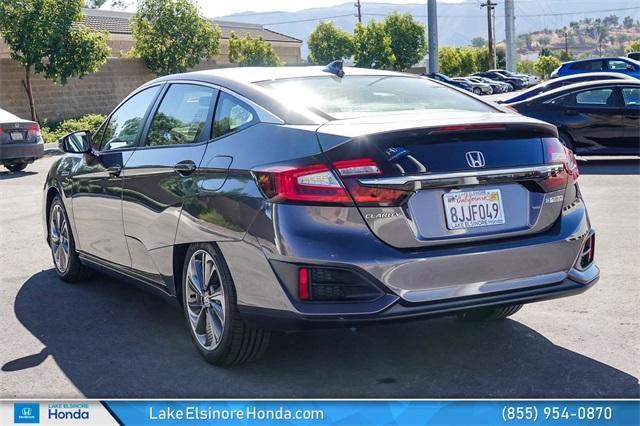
(300, 197)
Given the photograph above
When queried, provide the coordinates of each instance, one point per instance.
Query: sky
(215, 8)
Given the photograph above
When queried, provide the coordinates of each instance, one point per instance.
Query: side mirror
(77, 142)
(630, 68)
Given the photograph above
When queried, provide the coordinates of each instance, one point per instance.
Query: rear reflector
(303, 283)
(317, 184)
(588, 252)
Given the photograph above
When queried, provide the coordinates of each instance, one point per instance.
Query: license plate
(16, 136)
(472, 209)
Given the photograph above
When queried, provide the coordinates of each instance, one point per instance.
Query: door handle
(114, 170)
(571, 112)
(185, 168)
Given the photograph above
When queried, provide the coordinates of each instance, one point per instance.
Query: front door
(160, 175)
(97, 183)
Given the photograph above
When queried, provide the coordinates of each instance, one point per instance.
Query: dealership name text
(246, 413)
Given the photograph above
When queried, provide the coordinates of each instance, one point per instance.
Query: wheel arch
(51, 194)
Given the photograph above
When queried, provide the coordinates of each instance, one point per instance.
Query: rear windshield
(353, 96)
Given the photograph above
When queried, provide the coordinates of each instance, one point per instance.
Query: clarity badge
(26, 412)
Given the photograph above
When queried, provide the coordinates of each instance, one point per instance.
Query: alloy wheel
(205, 300)
(59, 238)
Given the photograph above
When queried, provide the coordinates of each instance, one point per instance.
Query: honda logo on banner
(475, 159)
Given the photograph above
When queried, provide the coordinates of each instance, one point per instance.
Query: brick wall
(96, 93)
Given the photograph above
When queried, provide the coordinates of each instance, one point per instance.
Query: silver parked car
(477, 87)
(298, 197)
(20, 141)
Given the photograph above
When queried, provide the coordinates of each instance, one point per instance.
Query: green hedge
(51, 133)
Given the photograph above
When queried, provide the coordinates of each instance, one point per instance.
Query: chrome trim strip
(469, 178)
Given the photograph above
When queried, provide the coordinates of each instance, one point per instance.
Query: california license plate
(17, 136)
(472, 209)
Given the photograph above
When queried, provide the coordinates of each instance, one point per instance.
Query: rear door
(160, 174)
(596, 115)
(631, 118)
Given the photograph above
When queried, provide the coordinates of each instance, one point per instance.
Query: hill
(458, 22)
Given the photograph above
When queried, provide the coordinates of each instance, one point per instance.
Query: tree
(44, 37)
(450, 60)
(372, 46)
(171, 36)
(252, 52)
(327, 43)
(545, 65)
(544, 41)
(610, 21)
(479, 42)
(634, 46)
(627, 22)
(113, 4)
(525, 66)
(408, 41)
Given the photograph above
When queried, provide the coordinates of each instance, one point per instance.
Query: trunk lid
(449, 161)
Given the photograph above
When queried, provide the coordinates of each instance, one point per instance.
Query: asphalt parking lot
(103, 338)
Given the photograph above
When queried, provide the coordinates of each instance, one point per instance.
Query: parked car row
(489, 82)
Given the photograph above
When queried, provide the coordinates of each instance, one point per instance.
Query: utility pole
(359, 15)
(510, 34)
(489, 5)
(566, 42)
(432, 34)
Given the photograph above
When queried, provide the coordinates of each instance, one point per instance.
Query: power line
(456, 16)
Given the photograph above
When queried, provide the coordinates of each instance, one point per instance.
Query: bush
(51, 134)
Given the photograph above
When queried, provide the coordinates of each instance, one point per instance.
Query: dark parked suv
(292, 198)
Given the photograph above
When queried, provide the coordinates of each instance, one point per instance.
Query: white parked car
(20, 141)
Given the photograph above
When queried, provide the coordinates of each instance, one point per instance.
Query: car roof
(577, 86)
(7, 117)
(613, 75)
(241, 80)
(597, 59)
(257, 74)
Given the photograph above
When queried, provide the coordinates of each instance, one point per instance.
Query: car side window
(631, 96)
(182, 115)
(232, 115)
(124, 124)
(588, 66)
(617, 65)
(596, 97)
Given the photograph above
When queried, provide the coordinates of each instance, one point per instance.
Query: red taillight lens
(556, 153)
(319, 184)
(308, 184)
(33, 130)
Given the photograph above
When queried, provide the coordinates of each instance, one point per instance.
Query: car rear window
(353, 96)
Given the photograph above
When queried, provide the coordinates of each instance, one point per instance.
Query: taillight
(556, 153)
(319, 184)
(315, 183)
(33, 131)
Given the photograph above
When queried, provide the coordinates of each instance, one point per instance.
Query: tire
(489, 314)
(566, 140)
(477, 91)
(213, 320)
(61, 241)
(512, 87)
(16, 167)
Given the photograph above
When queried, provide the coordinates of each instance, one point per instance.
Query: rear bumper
(10, 152)
(401, 310)
(416, 282)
